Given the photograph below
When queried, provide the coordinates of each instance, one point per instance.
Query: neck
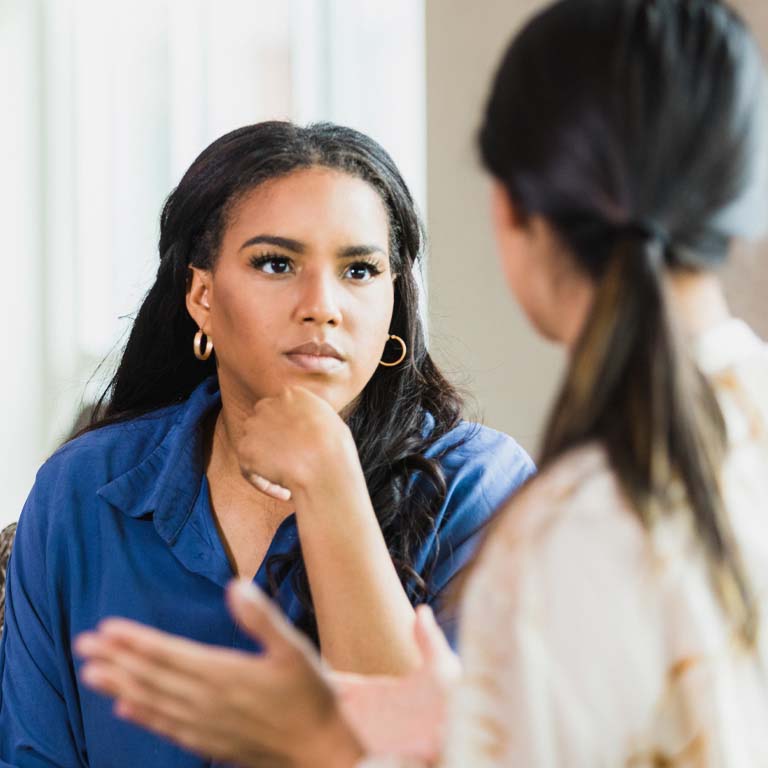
(699, 301)
(227, 431)
(223, 462)
(697, 298)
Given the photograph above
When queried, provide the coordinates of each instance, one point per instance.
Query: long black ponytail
(637, 143)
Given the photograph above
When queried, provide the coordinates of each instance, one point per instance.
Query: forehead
(312, 205)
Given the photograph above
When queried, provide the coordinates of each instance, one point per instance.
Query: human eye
(272, 264)
(362, 271)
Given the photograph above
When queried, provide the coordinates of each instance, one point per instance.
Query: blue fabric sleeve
(482, 474)
(35, 719)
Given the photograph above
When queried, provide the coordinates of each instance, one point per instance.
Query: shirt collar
(167, 482)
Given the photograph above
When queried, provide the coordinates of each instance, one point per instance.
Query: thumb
(262, 620)
(435, 651)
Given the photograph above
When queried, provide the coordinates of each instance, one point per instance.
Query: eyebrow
(280, 242)
(296, 246)
(355, 251)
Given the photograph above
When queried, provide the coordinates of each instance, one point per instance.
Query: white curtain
(106, 104)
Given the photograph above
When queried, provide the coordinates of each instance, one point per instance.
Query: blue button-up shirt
(119, 523)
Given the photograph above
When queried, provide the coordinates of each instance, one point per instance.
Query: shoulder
(103, 453)
(65, 491)
(481, 468)
(566, 577)
(742, 392)
(572, 524)
(574, 559)
(474, 448)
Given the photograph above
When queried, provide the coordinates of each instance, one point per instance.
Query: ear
(199, 296)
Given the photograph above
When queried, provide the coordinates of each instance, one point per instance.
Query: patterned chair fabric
(6, 542)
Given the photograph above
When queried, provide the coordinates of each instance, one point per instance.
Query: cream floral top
(587, 642)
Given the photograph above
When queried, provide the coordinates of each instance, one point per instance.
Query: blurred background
(106, 103)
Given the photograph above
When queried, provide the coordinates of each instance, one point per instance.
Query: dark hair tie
(644, 230)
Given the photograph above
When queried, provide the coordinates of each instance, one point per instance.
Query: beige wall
(477, 332)
(746, 276)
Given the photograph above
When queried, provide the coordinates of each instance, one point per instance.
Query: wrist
(335, 473)
(334, 746)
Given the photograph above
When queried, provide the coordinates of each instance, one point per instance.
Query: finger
(194, 660)
(142, 675)
(432, 643)
(261, 619)
(119, 683)
(187, 735)
(277, 491)
(93, 646)
(211, 720)
(269, 488)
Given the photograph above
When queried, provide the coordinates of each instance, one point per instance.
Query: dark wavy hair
(631, 127)
(158, 367)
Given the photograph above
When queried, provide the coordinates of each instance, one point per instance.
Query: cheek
(370, 325)
(243, 320)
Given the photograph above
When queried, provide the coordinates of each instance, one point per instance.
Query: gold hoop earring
(197, 346)
(402, 355)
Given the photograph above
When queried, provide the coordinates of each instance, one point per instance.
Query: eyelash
(257, 262)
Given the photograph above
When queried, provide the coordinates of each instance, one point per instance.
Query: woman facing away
(250, 415)
(616, 615)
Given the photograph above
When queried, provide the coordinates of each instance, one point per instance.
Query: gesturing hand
(292, 441)
(404, 715)
(273, 709)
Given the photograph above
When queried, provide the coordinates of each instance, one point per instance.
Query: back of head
(634, 127)
(609, 112)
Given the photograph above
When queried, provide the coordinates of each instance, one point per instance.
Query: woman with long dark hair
(617, 614)
(275, 416)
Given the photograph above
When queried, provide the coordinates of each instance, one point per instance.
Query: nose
(318, 301)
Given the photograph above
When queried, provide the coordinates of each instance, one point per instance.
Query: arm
(480, 474)
(509, 708)
(364, 618)
(35, 700)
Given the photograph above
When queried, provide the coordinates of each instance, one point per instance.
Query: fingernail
(247, 590)
(82, 645)
(90, 676)
(427, 614)
(258, 481)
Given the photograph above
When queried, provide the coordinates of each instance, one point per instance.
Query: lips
(316, 357)
(317, 349)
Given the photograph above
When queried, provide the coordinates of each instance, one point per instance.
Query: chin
(539, 324)
(550, 334)
(323, 389)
